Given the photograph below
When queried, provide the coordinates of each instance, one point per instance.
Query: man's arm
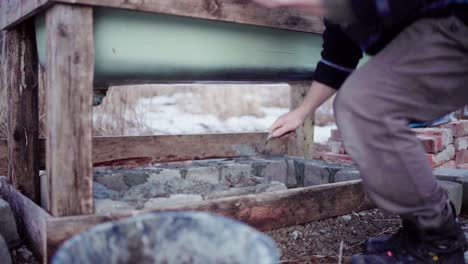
(317, 95)
(340, 57)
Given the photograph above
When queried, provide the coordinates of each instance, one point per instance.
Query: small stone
(296, 234)
(347, 218)
(8, 227)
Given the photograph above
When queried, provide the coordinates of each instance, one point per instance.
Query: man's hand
(287, 123)
(314, 6)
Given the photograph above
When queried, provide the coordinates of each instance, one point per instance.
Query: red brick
(461, 157)
(338, 158)
(446, 134)
(459, 128)
(448, 165)
(337, 147)
(432, 144)
(443, 157)
(461, 143)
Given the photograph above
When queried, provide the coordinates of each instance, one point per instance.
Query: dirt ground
(319, 242)
(316, 242)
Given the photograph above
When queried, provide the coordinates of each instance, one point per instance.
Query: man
(418, 72)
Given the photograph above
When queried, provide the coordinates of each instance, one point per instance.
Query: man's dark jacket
(375, 24)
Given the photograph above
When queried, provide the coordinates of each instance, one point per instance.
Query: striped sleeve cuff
(331, 74)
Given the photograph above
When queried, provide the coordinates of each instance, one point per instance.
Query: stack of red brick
(446, 146)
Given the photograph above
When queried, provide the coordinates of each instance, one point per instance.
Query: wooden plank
(13, 12)
(301, 144)
(70, 70)
(154, 149)
(31, 219)
(108, 151)
(264, 211)
(245, 12)
(23, 112)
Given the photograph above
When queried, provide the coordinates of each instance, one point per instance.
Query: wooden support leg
(20, 80)
(70, 70)
(301, 145)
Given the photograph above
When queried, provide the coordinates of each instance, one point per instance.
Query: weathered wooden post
(19, 77)
(301, 144)
(70, 73)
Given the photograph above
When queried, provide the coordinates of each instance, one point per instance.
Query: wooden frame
(69, 151)
(265, 211)
(13, 12)
(138, 150)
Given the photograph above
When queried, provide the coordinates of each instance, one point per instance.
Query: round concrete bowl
(135, 47)
(169, 238)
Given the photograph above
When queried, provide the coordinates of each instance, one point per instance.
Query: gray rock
(276, 170)
(174, 238)
(136, 177)
(111, 206)
(296, 234)
(164, 176)
(113, 181)
(458, 176)
(270, 187)
(347, 218)
(314, 172)
(209, 174)
(8, 225)
(347, 175)
(271, 169)
(4, 252)
(455, 193)
(255, 189)
(173, 200)
(101, 192)
(291, 181)
(238, 176)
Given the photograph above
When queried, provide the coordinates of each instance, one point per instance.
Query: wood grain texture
(238, 11)
(23, 112)
(154, 149)
(108, 151)
(70, 70)
(31, 219)
(302, 143)
(264, 211)
(13, 12)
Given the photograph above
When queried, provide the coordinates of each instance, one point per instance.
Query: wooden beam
(264, 211)
(301, 144)
(20, 61)
(70, 70)
(245, 12)
(13, 12)
(137, 150)
(154, 149)
(31, 219)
